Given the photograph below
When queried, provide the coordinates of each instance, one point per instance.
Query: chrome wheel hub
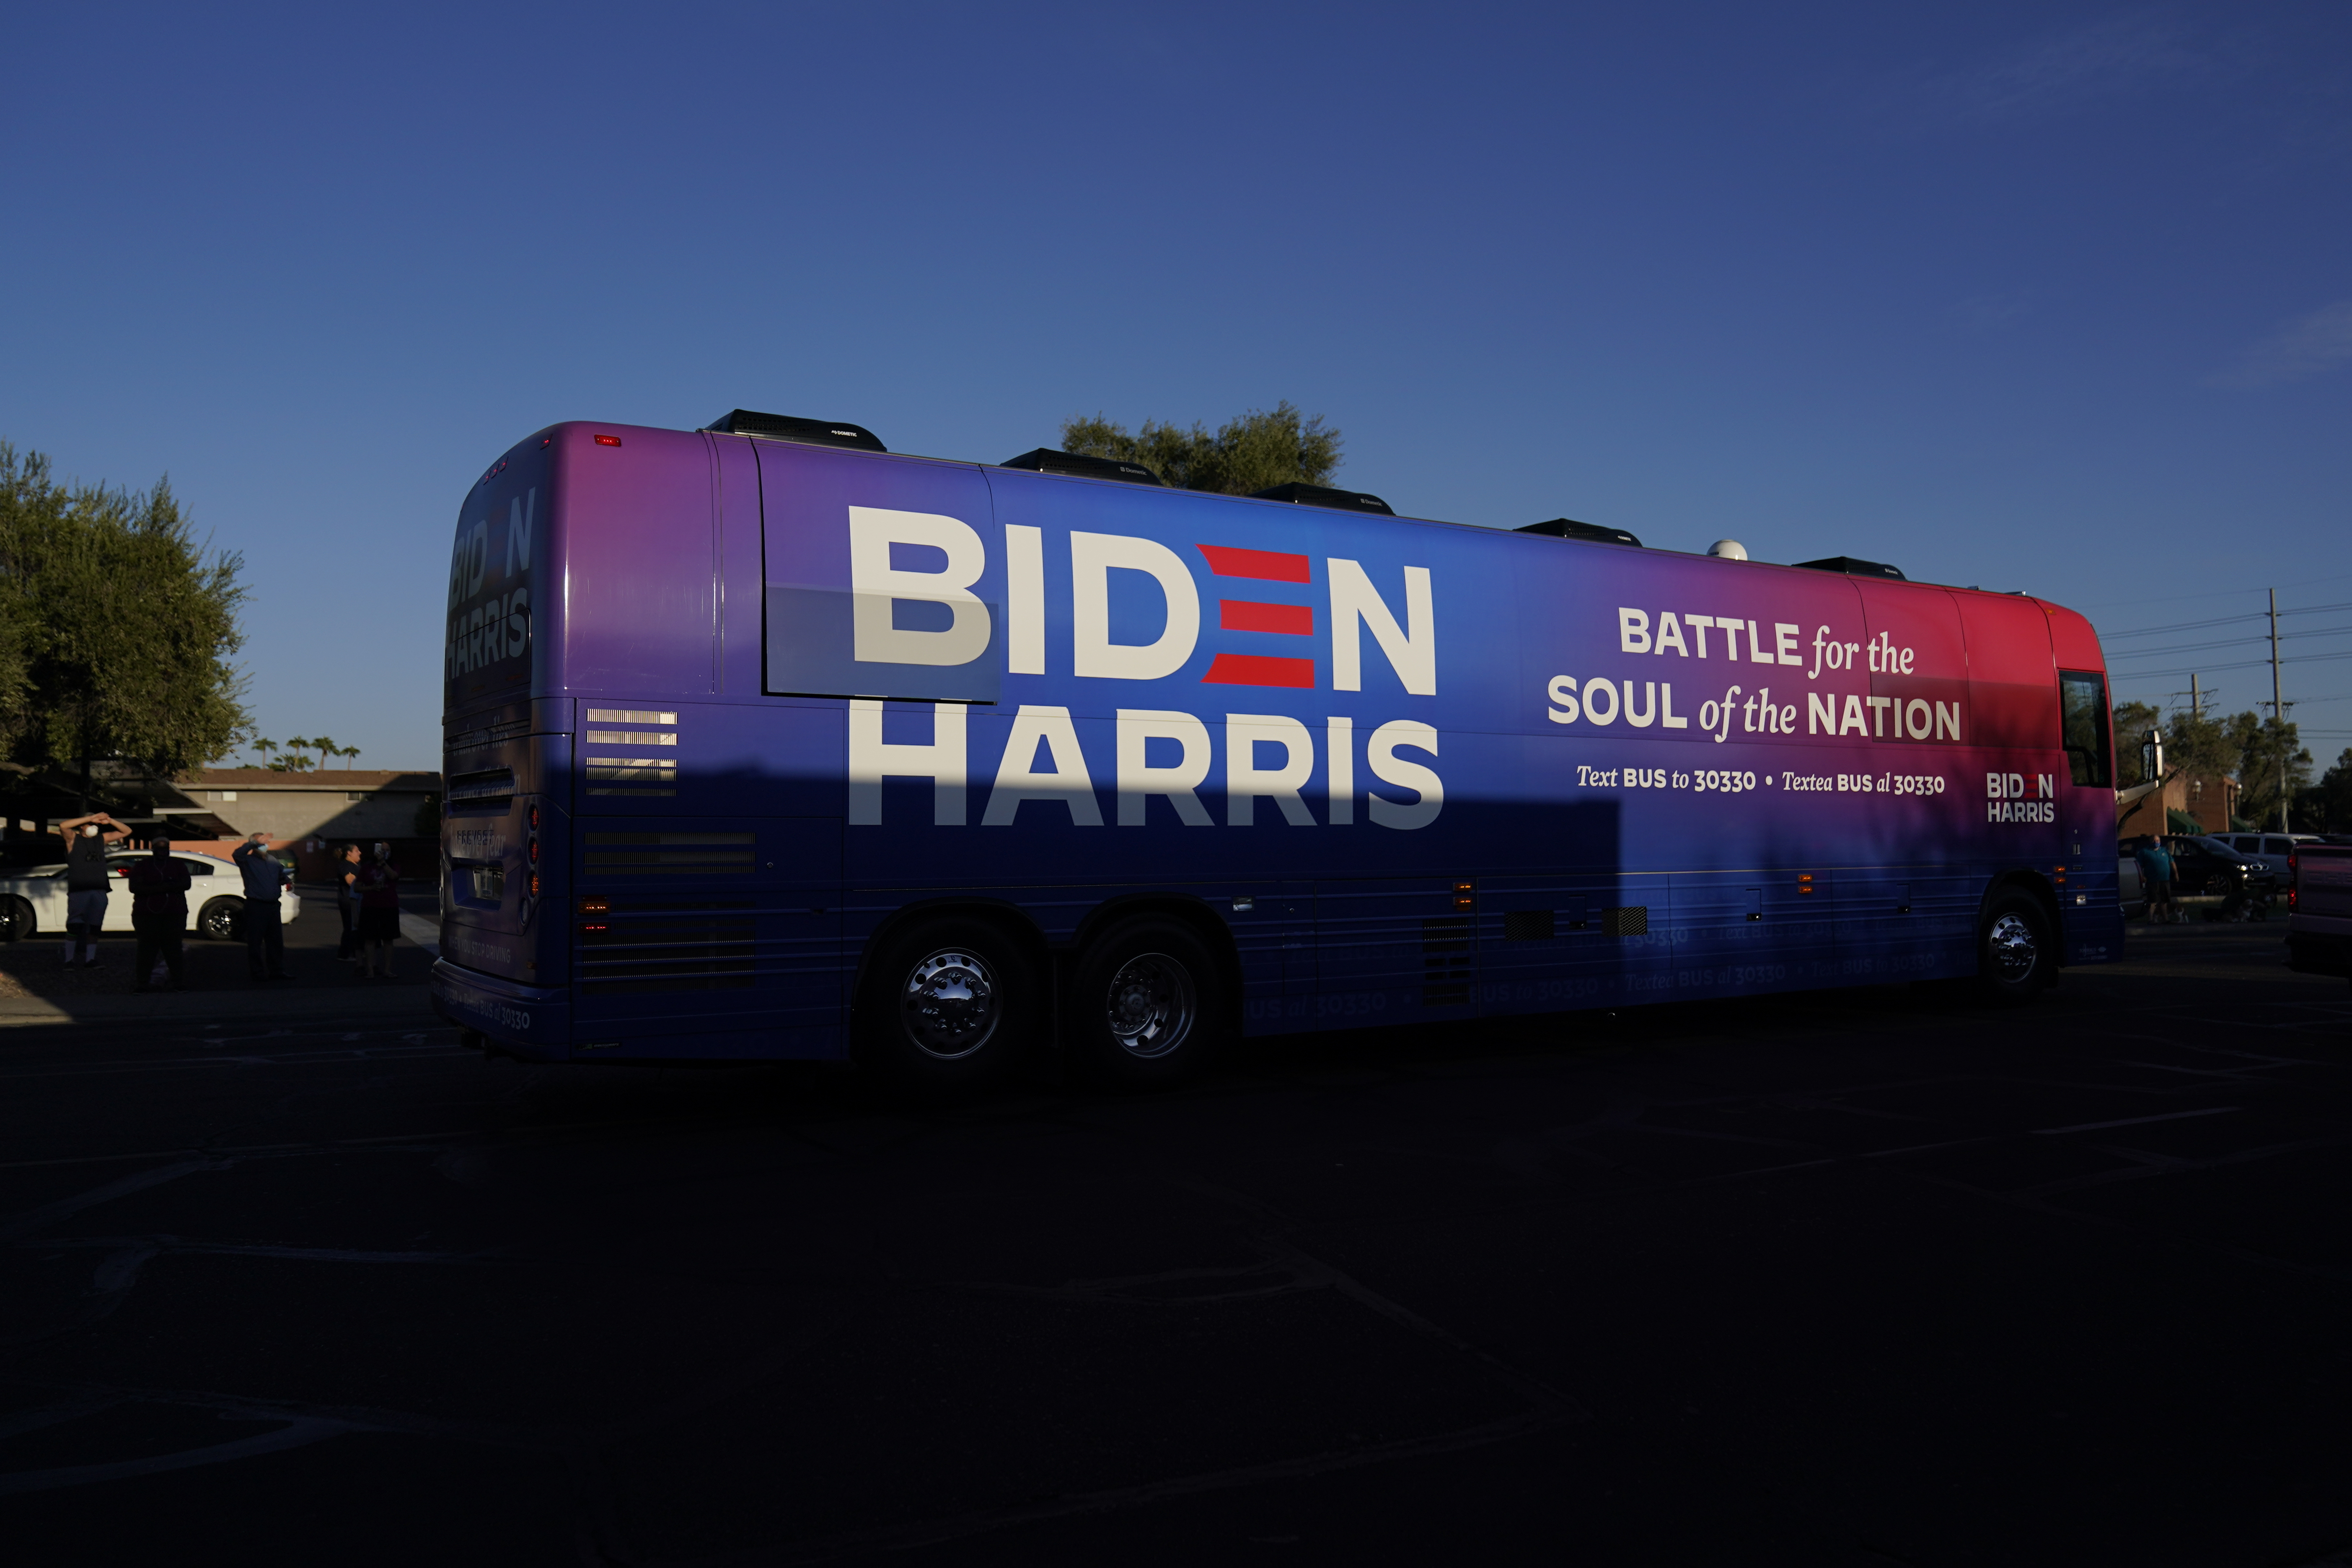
(950, 1005)
(2011, 943)
(1151, 1004)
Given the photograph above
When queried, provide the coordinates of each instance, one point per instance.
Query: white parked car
(2268, 850)
(34, 903)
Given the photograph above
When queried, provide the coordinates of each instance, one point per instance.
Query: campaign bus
(764, 741)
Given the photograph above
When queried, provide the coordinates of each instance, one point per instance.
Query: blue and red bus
(764, 741)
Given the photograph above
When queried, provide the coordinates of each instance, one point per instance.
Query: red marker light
(608, 440)
(534, 884)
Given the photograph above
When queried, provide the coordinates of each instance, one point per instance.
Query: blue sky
(2043, 297)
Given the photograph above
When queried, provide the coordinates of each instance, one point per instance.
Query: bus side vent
(1634, 919)
(1446, 961)
(1318, 495)
(492, 789)
(1855, 568)
(666, 955)
(631, 775)
(1528, 925)
(784, 427)
(670, 854)
(1046, 460)
(1569, 527)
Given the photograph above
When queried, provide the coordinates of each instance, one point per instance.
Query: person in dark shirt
(264, 929)
(159, 912)
(378, 885)
(88, 838)
(347, 899)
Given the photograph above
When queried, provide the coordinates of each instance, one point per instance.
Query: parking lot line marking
(2133, 1121)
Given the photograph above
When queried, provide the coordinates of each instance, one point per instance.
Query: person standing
(264, 924)
(159, 912)
(379, 889)
(2155, 872)
(88, 839)
(347, 899)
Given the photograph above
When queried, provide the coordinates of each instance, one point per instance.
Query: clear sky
(2035, 296)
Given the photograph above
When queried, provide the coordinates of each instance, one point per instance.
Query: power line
(2210, 594)
(2260, 637)
(2216, 669)
(2224, 620)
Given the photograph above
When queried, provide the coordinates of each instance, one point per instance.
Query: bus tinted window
(2084, 700)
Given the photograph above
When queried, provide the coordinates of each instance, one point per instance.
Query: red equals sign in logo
(1258, 615)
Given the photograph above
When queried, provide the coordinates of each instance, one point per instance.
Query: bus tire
(950, 1005)
(1146, 1004)
(2016, 956)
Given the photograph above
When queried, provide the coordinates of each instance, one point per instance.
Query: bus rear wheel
(2015, 958)
(949, 1005)
(1147, 1004)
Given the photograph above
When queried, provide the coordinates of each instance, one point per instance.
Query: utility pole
(2196, 697)
(2278, 711)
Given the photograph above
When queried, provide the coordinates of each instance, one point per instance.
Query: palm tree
(325, 746)
(265, 748)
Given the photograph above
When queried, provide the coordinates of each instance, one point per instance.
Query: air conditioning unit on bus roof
(785, 427)
(1319, 495)
(1569, 527)
(1853, 567)
(1079, 466)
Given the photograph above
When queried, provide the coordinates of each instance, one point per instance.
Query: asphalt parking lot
(1868, 1277)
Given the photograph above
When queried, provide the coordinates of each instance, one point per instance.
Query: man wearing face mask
(88, 838)
(159, 912)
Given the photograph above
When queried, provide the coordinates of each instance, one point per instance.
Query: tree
(2272, 765)
(2329, 804)
(2133, 721)
(1254, 452)
(118, 626)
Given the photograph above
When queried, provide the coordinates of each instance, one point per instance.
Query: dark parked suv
(2208, 867)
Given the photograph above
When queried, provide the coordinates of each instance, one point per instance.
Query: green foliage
(2198, 745)
(292, 762)
(2263, 745)
(2326, 807)
(2133, 721)
(1254, 452)
(2244, 746)
(116, 629)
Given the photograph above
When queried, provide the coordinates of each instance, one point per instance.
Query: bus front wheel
(2015, 956)
(949, 1005)
(1146, 1004)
